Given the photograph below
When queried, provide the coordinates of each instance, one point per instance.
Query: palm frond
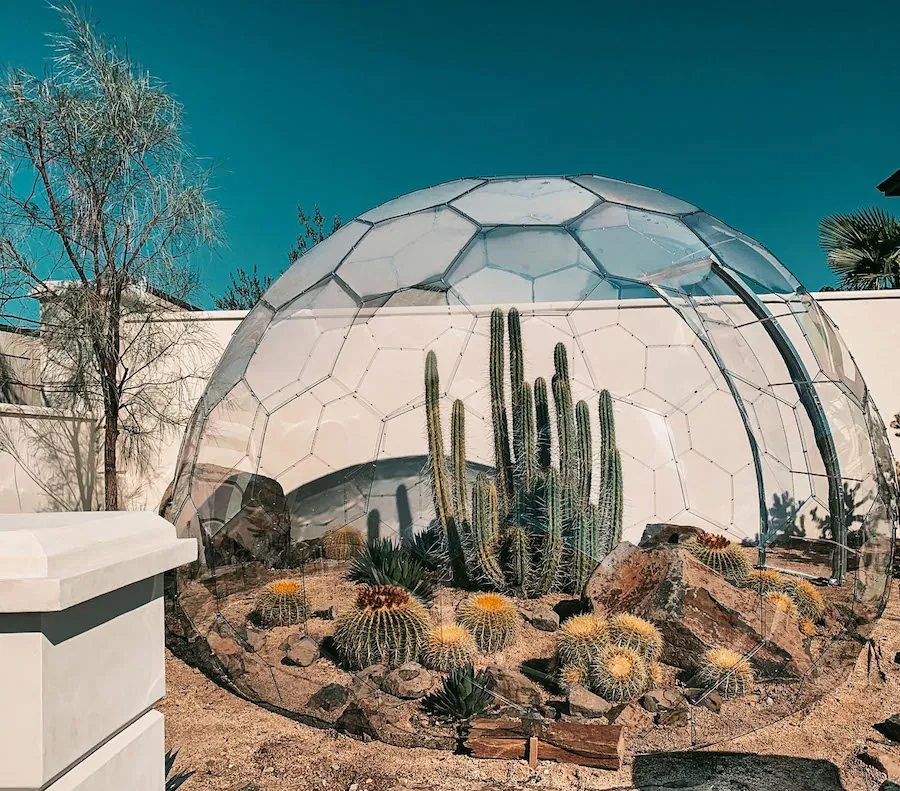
(863, 248)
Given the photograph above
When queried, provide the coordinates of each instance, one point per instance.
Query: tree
(247, 287)
(863, 248)
(102, 208)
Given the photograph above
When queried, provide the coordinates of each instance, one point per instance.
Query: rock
(299, 650)
(584, 703)
(367, 682)
(510, 686)
(545, 618)
(695, 609)
(889, 785)
(327, 614)
(630, 716)
(663, 699)
(228, 652)
(256, 638)
(883, 761)
(410, 682)
(672, 718)
(329, 699)
(711, 701)
(662, 533)
(897, 658)
(890, 727)
(387, 719)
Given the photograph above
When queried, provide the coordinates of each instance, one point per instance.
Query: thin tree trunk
(110, 466)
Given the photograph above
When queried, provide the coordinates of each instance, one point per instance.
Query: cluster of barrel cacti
(532, 528)
(618, 659)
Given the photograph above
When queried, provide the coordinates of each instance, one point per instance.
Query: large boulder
(696, 609)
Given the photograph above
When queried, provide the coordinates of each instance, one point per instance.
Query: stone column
(82, 658)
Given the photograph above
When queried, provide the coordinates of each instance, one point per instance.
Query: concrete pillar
(82, 659)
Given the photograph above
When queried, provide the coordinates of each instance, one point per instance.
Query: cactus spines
(727, 672)
(611, 488)
(720, 555)
(580, 639)
(565, 415)
(385, 626)
(342, 543)
(583, 559)
(585, 462)
(765, 581)
(809, 601)
(542, 422)
(492, 619)
(570, 675)
(528, 464)
(808, 628)
(551, 550)
(458, 447)
(485, 533)
(448, 647)
(502, 455)
(783, 602)
(282, 603)
(517, 557)
(516, 380)
(618, 674)
(637, 633)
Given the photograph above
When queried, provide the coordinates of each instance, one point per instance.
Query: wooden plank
(533, 751)
(497, 739)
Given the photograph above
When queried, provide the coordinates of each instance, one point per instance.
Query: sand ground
(230, 743)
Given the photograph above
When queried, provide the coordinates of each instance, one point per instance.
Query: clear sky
(767, 114)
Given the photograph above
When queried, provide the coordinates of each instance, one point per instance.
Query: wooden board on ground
(599, 746)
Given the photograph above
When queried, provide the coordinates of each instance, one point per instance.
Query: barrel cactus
(342, 543)
(448, 647)
(282, 603)
(579, 640)
(782, 602)
(633, 632)
(619, 674)
(809, 601)
(720, 555)
(492, 619)
(385, 626)
(765, 581)
(727, 672)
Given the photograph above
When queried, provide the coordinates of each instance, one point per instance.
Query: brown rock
(299, 650)
(510, 686)
(410, 682)
(584, 703)
(367, 682)
(545, 618)
(662, 533)
(673, 718)
(329, 699)
(883, 761)
(663, 699)
(630, 716)
(695, 609)
(256, 638)
(228, 652)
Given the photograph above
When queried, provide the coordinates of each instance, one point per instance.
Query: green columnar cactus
(565, 414)
(585, 462)
(516, 380)
(542, 420)
(502, 455)
(517, 557)
(385, 626)
(551, 550)
(529, 440)
(485, 534)
(458, 447)
(611, 490)
(583, 549)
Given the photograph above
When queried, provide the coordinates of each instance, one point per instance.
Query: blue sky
(767, 114)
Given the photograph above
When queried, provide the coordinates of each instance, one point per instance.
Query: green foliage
(313, 229)
(463, 695)
(244, 290)
(533, 517)
(426, 546)
(863, 248)
(382, 562)
(175, 781)
(282, 603)
(619, 674)
(385, 626)
(492, 619)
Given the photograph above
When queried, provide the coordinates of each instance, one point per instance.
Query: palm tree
(863, 248)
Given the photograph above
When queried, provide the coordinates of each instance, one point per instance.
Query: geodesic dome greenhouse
(503, 349)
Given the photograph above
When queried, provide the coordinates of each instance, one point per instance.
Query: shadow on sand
(697, 771)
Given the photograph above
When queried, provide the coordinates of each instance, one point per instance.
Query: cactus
(464, 694)
(808, 628)
(542, 421)
(611, 489)
(282, 603)
(382, 562)
(720, 555)
(551, 550)
(528, 464)
(484, 542)
(765, 581)
(727, 672)
(783, 602)
(458, 448)
(565, 416)
(636, 633)
(583, 560)
(502, 456)
(655, 679)
(810, 604)
(516, 382)
(585, 462)
(342, 543)
(618, 674)
(385, 626)
(580, 639)
(517, 557)
(570, 675)
(448, 647)
(492, 619)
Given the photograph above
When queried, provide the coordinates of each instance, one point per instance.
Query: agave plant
(382, 562)
(174, 782)
(863, 248)
(465, 694)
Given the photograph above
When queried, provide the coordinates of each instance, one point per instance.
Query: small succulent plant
(342, 543)
(765, 581)
(720, 555)
(449, 646)
(579, 639)
(386, 625)
(809, 601)
(783, 602)
(282, 603)
(727, 672)
(634, 632)
(382, 562)
(464, 694)
(619, 674)
(492, 619)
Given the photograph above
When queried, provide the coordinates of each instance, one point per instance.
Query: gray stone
(663, 700)
(256, 638)
(329, 698)
(327, 614)
(672, 718)
(510, 686)
(545, 618)
(299, 650)
(584, 703)
(890, 727)
(663, 533)
(410, 682)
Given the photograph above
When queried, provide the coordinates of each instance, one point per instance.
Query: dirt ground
(231, 743)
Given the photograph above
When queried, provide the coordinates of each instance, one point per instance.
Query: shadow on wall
(696, 771)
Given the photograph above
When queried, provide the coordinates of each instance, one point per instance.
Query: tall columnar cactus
(529, 440)
(516, 380)
(485, 534)
(548, 573)
(611, 488)
(565, 414)
(458, 448)
(585, 463)
(517, 558)
(502, 454)
(542, 422)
